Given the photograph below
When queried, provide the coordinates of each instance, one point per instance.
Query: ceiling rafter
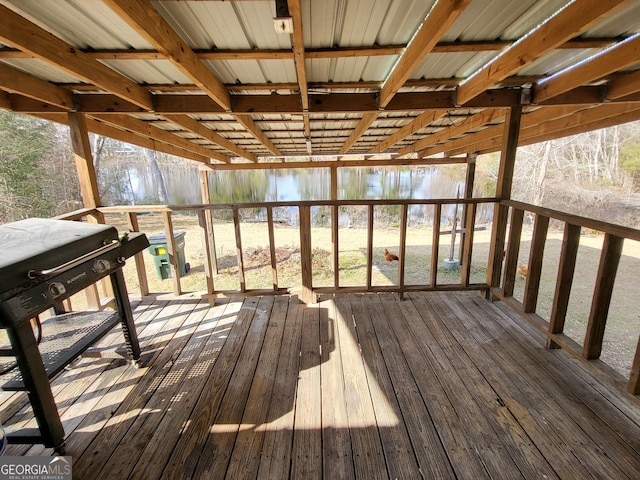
(364, 123)
(461, 146)
(316, 53)
(147, 21)
(557, 128)
(623, 85)
(458, 128)
(196, 127)
(617, 57)
(16, 81)
(543, 123)
(439, 19)
(151, 131)
(297, 43)
(560, 28)
(106, 130)
(26, 36)
(417, 124)
(248, 123)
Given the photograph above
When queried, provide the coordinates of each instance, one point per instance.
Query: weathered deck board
(438, 385)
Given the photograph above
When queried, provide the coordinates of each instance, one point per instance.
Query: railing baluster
(369, 245)
(236, 228)
(566, 269)
(609, 260)
(435, 243)
(272, 249)
(403, 246)
(173, 257)
(305, 254)
(467, 248)
(206, 246)
(513, 247)
(534, 268)
(132, 223)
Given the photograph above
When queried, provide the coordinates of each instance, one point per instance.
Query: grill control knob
(101, 266)
(56, 289)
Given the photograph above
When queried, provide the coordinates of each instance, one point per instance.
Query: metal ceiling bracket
(454, 97)
(526, 96)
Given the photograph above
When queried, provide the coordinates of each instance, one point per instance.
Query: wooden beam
(513, 248)
(24, 35)
(365, 122)
(196, 127)
(16, 81)
(307, 295)
(611, 60)
(623, 85)
(247, 122)
(100, 128)
(297, 42)
(317, 53)
(460, 127)
(421, 121)
(147, 21)
(493, 134)
(84, 160)
(149, 130)
(438, 20)
(568, 23)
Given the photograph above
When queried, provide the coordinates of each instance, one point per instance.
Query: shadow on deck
(439, 385)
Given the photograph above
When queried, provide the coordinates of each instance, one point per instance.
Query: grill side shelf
(65, 337)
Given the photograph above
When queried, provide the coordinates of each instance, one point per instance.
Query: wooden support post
(84, 160)
(536, 255)
(236, 227)
(272, 249)
(568, 255)
(88, 182)
(511, 257)
(403, 246)
(334, 226)
(335, 241)
(212, 260)
(132, 224)
(208, 275)
(307, 295)
(468, 191)
(435, 243)
(370, 212)
(467, 245)
(503, 192)
(609, 260)
(173, 257)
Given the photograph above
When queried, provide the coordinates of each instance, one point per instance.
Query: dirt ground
(623, 328)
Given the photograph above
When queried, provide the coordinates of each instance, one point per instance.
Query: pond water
(181, 186)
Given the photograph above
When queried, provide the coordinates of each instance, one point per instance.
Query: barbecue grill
(42, 263)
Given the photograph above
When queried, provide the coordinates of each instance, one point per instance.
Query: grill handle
(75, 262)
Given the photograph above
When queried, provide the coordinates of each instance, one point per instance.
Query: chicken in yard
(390, 257)
(523, 269)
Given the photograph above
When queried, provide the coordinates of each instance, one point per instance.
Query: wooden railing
(308, 290)
(553, 327)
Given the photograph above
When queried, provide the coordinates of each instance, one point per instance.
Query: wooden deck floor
(439, 385)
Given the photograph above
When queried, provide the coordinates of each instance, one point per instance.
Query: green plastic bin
(160, 252)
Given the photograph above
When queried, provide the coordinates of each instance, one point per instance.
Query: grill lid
(40, 244)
